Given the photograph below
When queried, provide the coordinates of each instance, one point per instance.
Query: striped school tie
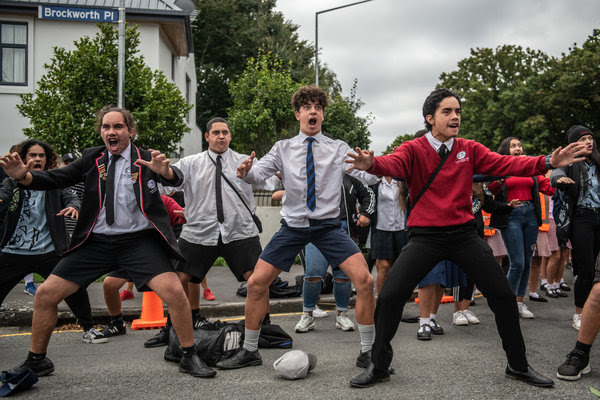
(311, 198)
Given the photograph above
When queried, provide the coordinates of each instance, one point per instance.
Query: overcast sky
(397, 49)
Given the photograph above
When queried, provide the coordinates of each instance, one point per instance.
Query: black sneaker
(160, 339)
(364, 359)
(199, 321)
(577, 363)
(240, 359)
(114, 328)
(41, 367)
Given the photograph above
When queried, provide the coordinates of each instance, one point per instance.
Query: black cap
(68, 157)
(576, 132)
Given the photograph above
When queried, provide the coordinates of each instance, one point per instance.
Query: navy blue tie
(311, 198)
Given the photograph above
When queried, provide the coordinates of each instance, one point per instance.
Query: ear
(429, 119)
(206, 136)
(297, 113)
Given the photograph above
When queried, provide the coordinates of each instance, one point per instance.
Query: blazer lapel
(102, 165)
(136, 173)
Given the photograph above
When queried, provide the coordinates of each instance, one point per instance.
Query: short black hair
(210, 123)
(51, 157)
(432, 102)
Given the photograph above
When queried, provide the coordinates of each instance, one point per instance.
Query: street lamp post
(317, 34)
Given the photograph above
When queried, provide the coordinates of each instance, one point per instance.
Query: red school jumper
(447, 201)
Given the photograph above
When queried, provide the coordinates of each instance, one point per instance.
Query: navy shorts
(327, 235)
(140, 255)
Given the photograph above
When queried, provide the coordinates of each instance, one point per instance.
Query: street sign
(78, 14)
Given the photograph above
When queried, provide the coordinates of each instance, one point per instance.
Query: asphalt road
(465, 363)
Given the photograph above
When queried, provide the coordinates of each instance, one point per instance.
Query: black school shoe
(240, 359)
(41, 367)
(539, 299)
(160, 339)
(196, 367)
(564, 287)
(424, 333)
(364, 359)
(530, 376)
(370, 377)
(436, 329)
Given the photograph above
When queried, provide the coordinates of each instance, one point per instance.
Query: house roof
(174, 16)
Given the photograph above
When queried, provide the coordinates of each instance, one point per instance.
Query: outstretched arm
(569, 155)
(362, 160)
(159, 164)
(245, 166)
(15, 168)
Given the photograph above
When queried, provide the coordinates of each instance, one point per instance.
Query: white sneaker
(473, 320)
(94, 336)
(343, 322)
(576, 322)
(318, 313)
(459, 319)
(306, 323)
(524, 311)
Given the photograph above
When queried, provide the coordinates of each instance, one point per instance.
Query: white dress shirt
(289, 157)
(128, 216)
(202, 226)
(436, 144)
(390, 216)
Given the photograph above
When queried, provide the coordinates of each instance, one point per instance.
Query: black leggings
(461, 245)
(14, 267)
(585, 240)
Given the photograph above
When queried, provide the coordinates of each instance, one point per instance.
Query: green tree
(398, 141)
(229, 32)
(261, 113)
(342, 121)
(497, 99)
(78, 83)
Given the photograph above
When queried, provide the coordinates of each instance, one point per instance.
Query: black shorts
(141, 255)
(241, 256)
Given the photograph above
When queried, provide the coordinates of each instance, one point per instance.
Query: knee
(257, 286)
(312, 279)
(111, 284)
(364, 283)
(594, 297)
(45, 296)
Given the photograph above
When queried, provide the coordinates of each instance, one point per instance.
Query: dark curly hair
(51, 157)
(127, 117)
(306, 94)
(504, 147)
(432, 102)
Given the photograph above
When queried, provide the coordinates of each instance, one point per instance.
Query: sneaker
(94, 336)
(306, 323)
(114, 328)
(199, 321)
(564, 287)
(436, 329)
(207, 294)
(524, 311)
(41, 367)
(577, 363)
(576, 322)
(30, 289)
(343, 322)
(459, 319)
(318, 313)
(473, 320)
(424, 332)
(126, 295)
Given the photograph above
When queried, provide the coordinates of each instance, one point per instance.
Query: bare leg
(357, 270)
(534, 272)
(49, 294)
(193, 292)
(590, 323)
(168, 287)
(383, 269)
(426, 299)
(257, 299)
(110, 287)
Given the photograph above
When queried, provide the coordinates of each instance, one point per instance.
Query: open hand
(69, 212)
(569, 155)
(245, 166)
(159, 164)
(362, 160)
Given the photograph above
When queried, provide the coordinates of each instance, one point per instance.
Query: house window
(13, 53)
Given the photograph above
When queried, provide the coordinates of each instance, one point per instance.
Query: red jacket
(447, 201)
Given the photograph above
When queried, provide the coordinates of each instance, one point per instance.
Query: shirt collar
(214, 155)
(318, 137)
(436, 144)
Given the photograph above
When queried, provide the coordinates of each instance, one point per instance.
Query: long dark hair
(504, 147)
(51, 157)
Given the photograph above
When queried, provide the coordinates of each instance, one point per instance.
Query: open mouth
(113, 143)
(312, 122)
(454, 125)
(37, 166)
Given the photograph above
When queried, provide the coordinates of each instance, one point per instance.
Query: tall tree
(78, 83)
(229, 32)
(261, 113)
(493, 86)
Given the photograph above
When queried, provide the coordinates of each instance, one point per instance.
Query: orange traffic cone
(445, 299)
(152, 313)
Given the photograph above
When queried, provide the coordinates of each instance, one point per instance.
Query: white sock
(535, 295)
(424, 321)
(251, 339)
(367, 336)
(432, 316)
(555, 285)
(28, 279)
(544, 281)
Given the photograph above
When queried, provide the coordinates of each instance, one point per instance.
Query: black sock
(188, 352)
(117, 318)
(583, 347)
(35, 356)
(196, 313)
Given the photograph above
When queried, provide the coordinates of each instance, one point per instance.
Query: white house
(29, 29)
